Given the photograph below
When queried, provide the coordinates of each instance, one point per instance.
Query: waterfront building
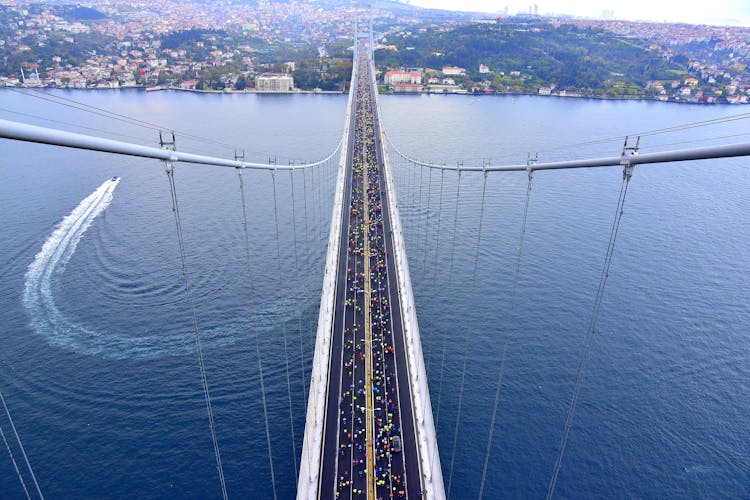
(274, 82)
(394, 77)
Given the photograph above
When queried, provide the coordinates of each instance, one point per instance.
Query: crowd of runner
(388, 465)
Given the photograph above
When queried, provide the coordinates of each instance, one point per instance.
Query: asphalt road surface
(367, 287)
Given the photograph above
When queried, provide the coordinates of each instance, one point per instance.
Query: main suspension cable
(88, 108)
(693, 141)
(578, 145)
(82, 127)
(191, 305)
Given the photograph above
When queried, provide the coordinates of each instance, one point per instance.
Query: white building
(484, 69)
(453, 70)
(394, 77)
(274, 82)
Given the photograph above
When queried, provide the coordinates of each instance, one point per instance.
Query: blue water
(663, 407)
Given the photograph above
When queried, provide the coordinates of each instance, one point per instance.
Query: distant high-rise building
(608, 15)
(536, 10)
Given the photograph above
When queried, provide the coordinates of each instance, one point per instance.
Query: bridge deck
(369, 403)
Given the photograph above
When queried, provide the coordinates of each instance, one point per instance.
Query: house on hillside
(454, 70)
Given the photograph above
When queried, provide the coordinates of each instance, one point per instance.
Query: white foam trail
(48, 321)
(55, 253)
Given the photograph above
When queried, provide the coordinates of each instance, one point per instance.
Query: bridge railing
(308, 483)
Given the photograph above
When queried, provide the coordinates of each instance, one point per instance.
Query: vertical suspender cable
(308, 245)
(265, 414)
(257, 338)
(423, 253)
(506, 337)
(450, 281)
(299, 309)
(21, 447)
(479, 231)
(322, 183)
(465, 340)
(440, 216)
(329, 184)
(455, 225)
(283, 323)
(404, 196)
(244, 227)
(411, 198)
(419, 207)
(426, 222)
(315, 200)
(434, 279)
(191, 305)
(23, 452)
(585, 353)
(15, 465)
(402, 199)
(320, 203)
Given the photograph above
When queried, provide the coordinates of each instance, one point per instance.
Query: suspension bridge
(369, 427)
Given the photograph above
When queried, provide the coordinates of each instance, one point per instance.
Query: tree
(162, 78)
(241, 83)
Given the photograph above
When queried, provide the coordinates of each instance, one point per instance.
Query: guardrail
(308, 483)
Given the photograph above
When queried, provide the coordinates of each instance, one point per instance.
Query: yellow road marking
(369, 406)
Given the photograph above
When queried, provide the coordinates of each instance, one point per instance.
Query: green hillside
(584, 60)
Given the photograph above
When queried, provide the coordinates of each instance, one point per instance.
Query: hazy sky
(736, 12)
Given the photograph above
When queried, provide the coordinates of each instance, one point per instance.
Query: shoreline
(339, 92)
(593, 97)
(141, 88)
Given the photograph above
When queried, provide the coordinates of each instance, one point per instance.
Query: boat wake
(59, 330)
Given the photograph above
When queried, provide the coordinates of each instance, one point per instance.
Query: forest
(585, 60)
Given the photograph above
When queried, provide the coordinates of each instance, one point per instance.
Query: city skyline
(729, 12)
